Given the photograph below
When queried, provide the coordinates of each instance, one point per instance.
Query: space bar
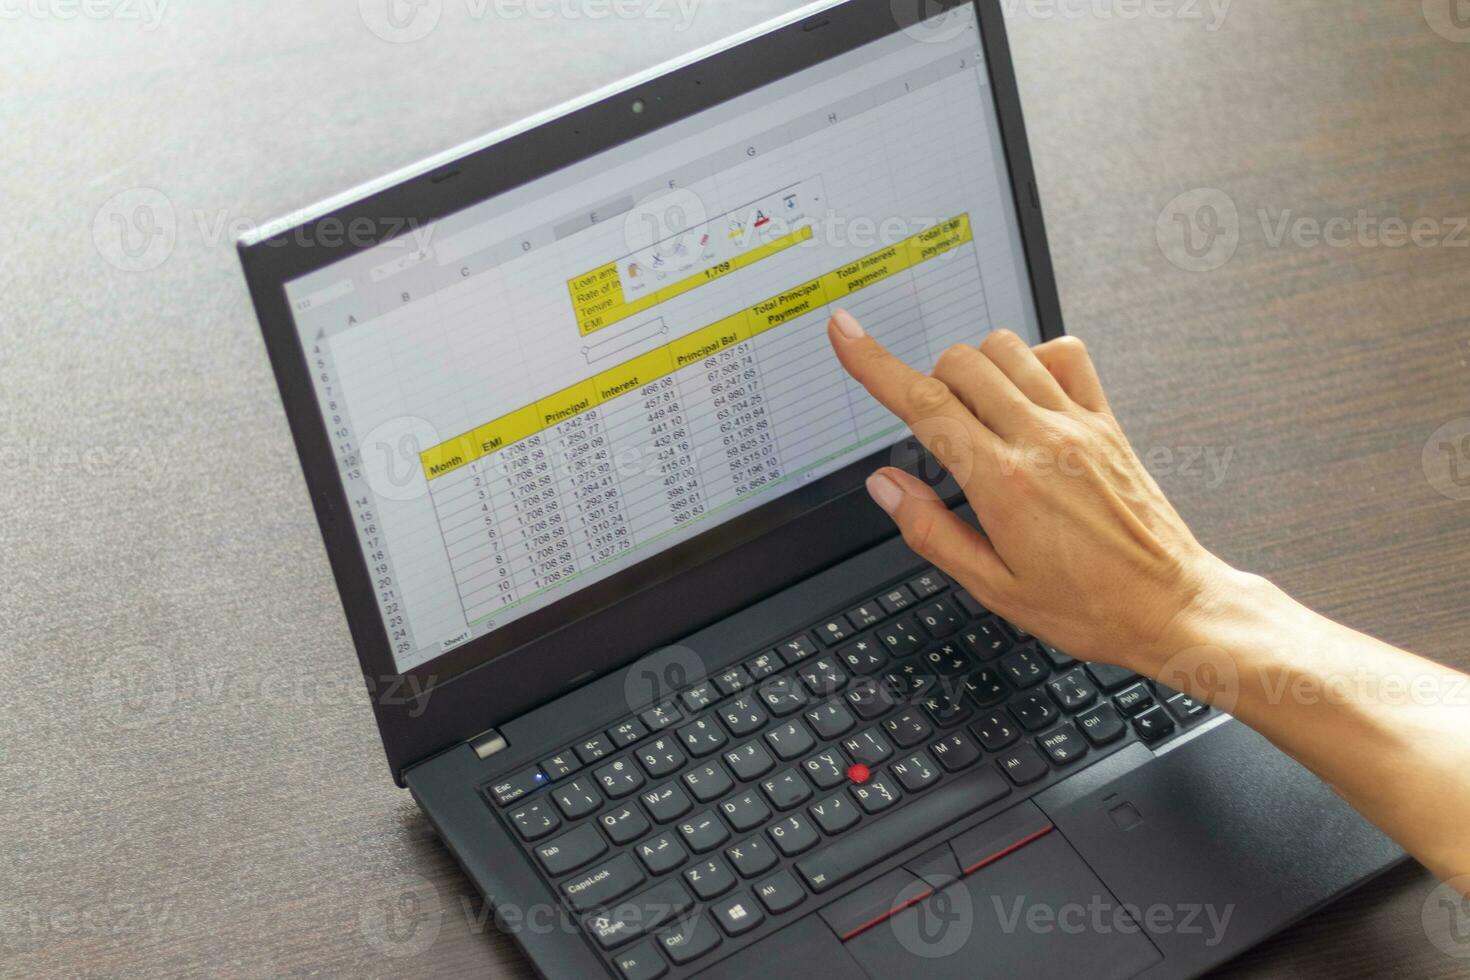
(887, 835)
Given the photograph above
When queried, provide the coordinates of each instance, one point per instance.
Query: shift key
(917, 821)
(603, 883)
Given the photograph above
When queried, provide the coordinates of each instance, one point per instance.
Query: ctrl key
(690, 939)
(640, 962)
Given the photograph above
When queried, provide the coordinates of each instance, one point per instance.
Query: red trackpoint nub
(858, 772)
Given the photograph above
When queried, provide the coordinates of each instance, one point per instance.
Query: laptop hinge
(487, 743)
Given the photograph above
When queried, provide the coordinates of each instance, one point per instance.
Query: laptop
(659, 673)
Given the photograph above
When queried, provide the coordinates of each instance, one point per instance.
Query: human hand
(1080, 547)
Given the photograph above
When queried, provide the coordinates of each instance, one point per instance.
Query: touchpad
(1038, 912)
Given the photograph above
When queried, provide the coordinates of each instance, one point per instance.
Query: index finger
(938, 419)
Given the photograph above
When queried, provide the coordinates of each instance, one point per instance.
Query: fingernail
(885, 492)
(847, 324)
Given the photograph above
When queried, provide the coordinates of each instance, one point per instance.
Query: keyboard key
(763, 666)
(619, 778)
(627, 733)
(661, 756)
(900, 637)
(790, 740)
(793, 835)
(735, 679)
(702, 736)
(689, 940)
(908, 728)
(986, 687)
(829, 720)
(749, 761)
(571, 850)
(1111, 678)
(782, 695)
(536, 819)
(923, 817)
(869, 699)
(595, 748)
(939, 618)
(986, 639)
(876, 795)
(1072, 691)
(1101, 724)
(928, 584)
(1153, 724)
(1034, 711)
(707, 782)
(1063, 744)
(743, 715)
(1058, 658)
(561, 765)
(1134, 700)
(826, 769)
(863, 656)
(637, 914)
(868, 747)
(623, 824)
(737, 914)
(865, 615)
(786, 789)
(779, 892)
(955, 751)
(666, 803)
(751, 857)
(799, 647)
(915, 772)
(834, 630)
(603, 883)
(995, 731)
(896, 600)
(1023, 765)
(699, 696)
(515, 786)
(745, 811)
(709, 878)
(909, 679)
(947, 661)
(969, 604)
(1185, 708)
(662, 853)
(1024, 667)
(641, 962)
(945, 707)
(661, 716)
(834, 813)
(822, 676)
(577, 798)
(703, 832)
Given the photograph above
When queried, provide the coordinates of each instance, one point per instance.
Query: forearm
(1389, 730)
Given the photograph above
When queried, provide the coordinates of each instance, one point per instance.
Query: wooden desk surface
(228, 811)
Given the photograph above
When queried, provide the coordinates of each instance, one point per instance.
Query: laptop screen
(566, 380)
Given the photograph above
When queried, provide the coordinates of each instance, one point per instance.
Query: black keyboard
(747, 796)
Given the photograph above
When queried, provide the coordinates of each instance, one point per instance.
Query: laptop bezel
(457, 697)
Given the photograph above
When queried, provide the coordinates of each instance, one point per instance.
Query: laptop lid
(564, 395)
